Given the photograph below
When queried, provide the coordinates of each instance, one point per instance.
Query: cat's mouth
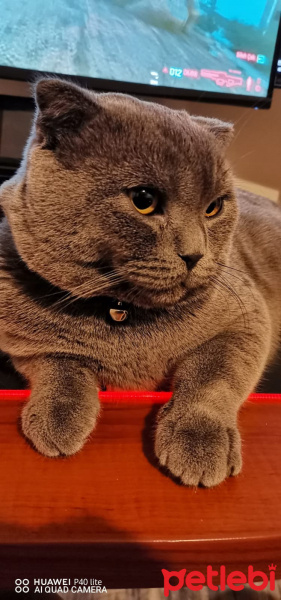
(147, 285)
(159, 298)
(148, 298)
(143, 288)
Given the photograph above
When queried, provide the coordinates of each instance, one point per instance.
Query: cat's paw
(197, 448)
(58, 428)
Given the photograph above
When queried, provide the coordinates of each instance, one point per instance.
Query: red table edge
(136, 396)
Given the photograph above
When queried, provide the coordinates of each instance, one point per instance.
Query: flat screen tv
(215, 50)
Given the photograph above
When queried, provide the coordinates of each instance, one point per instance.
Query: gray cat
(128, 262)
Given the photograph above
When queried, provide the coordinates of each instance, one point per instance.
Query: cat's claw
(197, 448)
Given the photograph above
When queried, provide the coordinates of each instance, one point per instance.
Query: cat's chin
(157, 299)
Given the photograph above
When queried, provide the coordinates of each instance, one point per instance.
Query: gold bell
(117, 312)
(118, 315)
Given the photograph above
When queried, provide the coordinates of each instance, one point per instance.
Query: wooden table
(108, 513)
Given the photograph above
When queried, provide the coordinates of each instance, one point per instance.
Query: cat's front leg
(63, 406)
(197, 438)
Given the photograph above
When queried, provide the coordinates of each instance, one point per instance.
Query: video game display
(206, 45)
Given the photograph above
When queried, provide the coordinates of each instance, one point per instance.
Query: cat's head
(122, 198)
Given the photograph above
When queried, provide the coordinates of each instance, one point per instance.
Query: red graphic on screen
(249, 56)
(193, 73)
(249, 84)
(222, 78)
(225, 79)
(258, 87)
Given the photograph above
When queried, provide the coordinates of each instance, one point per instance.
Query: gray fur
(71, 241)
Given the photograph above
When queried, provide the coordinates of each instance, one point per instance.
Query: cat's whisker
(57, 293)
(236, 179)
(134, 293)
(220, 290)
(238, 299)
(226, 292)
(230, 274)
(250, 116)
(245, 113)
(249, 288)
(66, 300)
(91, 288)
(232, 268)
(87, 294)
(234, 276)
(77, 288)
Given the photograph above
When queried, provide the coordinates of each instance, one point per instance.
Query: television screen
(173, 46)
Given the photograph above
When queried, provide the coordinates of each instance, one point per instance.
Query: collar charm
(118, 313)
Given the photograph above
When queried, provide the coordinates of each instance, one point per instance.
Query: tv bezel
(12, 102)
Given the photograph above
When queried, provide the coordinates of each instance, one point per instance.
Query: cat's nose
(191, 260)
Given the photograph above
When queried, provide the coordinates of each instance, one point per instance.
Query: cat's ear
(222, 130)
(62, 108)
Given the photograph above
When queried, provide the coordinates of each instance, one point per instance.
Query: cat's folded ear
(62, 108)
(222, 130)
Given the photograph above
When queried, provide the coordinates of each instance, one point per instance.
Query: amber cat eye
(214, 208)
(145, 200)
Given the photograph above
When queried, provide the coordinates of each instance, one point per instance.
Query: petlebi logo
(236, 580)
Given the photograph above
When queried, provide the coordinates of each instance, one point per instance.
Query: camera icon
(22, 585)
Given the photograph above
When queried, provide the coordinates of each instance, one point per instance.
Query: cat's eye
(214, 208)
(144, 199)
